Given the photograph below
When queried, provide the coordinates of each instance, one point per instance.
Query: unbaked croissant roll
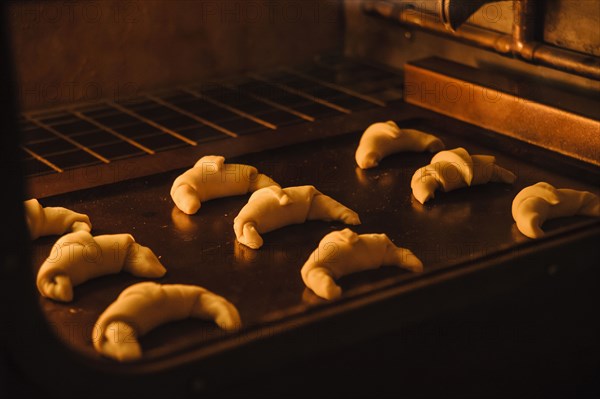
(212, 178)
(79, 257)
(535, 204)
(453, 169)
(53, 220)
(384, 138)
(344, 252)
(273, 207)
(145, 306)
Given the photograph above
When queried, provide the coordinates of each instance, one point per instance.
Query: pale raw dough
(145, 306)
(79, 257)
(453, 169)
(273, 207)
(344, 252)
(53, 220)
(535, 204)
(212, 178)
(384, 138)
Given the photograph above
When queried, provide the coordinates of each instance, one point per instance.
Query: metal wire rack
(83, 135)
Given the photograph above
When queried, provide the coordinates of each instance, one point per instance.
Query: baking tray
(467, 226)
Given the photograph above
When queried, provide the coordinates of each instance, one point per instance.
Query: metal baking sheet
(265, 284)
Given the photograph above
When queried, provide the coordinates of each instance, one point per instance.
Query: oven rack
(75, 136)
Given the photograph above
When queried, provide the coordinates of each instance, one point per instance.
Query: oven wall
(72, 51)
(568, 23)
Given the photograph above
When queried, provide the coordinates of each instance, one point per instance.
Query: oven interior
(133, 93)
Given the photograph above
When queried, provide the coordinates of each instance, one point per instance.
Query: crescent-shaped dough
(273, 207)
(79, 257)
(212, 178)
(53, 220)
(384, 138)
(453, 169)
(343, 252)
(145, 306)
(535, 204)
